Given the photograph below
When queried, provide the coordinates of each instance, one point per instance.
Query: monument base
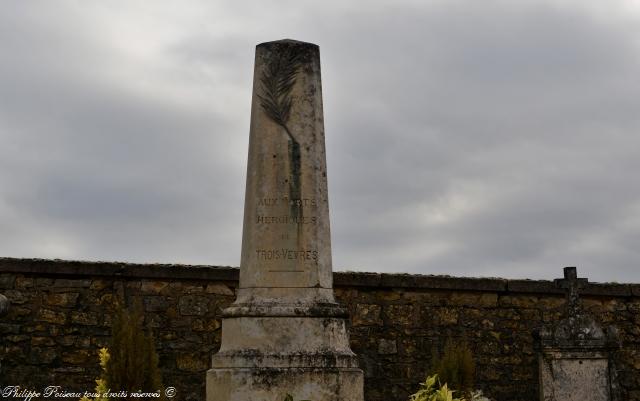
(273, 384)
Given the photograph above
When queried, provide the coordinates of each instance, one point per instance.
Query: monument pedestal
(266, 384)
(269, 351)
(285, 334)
(284, 351)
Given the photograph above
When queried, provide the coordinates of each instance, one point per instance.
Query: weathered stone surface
(367, 314)
(64, 299)
(43, 355)
(22, 283)
(156, 304)
(76, 357)
(575, 380)
(154, 286)
(272, 384)
(192, 362)
(206, 325)
(18, 312)
(84, 318)
(284, 333)
(286, 228)
(404, 315)
(17, 338)
(219, 289)
(386, 347)
(16, 297)
(42, 342)
(99, 285)
(72, 283)
(193, 305)
(7, 281)
(447, 316)
(4, 305)
(52, 316)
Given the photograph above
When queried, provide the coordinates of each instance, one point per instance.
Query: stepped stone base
(273, 384)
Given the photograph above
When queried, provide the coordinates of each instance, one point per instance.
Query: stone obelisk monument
(285, 334)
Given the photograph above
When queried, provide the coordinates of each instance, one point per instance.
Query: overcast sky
(471, 138)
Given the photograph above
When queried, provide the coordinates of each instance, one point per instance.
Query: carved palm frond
(277, 82)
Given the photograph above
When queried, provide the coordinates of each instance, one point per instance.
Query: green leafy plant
(432, 390)
(101, 384)
(456, 366)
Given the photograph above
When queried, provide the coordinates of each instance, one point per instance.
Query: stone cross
(572, 284)
(574, 358)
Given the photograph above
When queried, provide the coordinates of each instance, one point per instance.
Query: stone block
(52, 316)
(404, 315)
(18, 312)
(84, 318)
(575, 380)
(16, 338)
(155, 287)
(77, 357)
(101, 342)
(72, 283)
(43, 355)
(447, 316)
(193, 305)
(156, 304)
(475, 299)
(519, 301)
(7, 281)
(270, 384)
(22, 283)
(387, 347)
(206, 325)
(63, 299)
(44, 283)
(66, 341)
(219, 289)
(42, 342)
(367, 314)
(17, 297)
(99, 285)
(190, 362)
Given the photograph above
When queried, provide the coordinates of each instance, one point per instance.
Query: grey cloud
(462, 138)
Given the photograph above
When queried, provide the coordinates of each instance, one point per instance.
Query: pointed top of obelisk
(287, 42)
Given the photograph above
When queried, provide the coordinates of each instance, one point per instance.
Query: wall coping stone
(58, 267)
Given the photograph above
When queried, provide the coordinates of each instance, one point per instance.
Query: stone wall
(61, 314)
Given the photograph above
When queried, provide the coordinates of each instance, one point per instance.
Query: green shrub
(130, 363)
(133, 362)
(456, 366)
(431, 390)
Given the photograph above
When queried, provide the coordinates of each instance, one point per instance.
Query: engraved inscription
(268, 202)
(287, 254)
(285, 200)
(286, 219)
